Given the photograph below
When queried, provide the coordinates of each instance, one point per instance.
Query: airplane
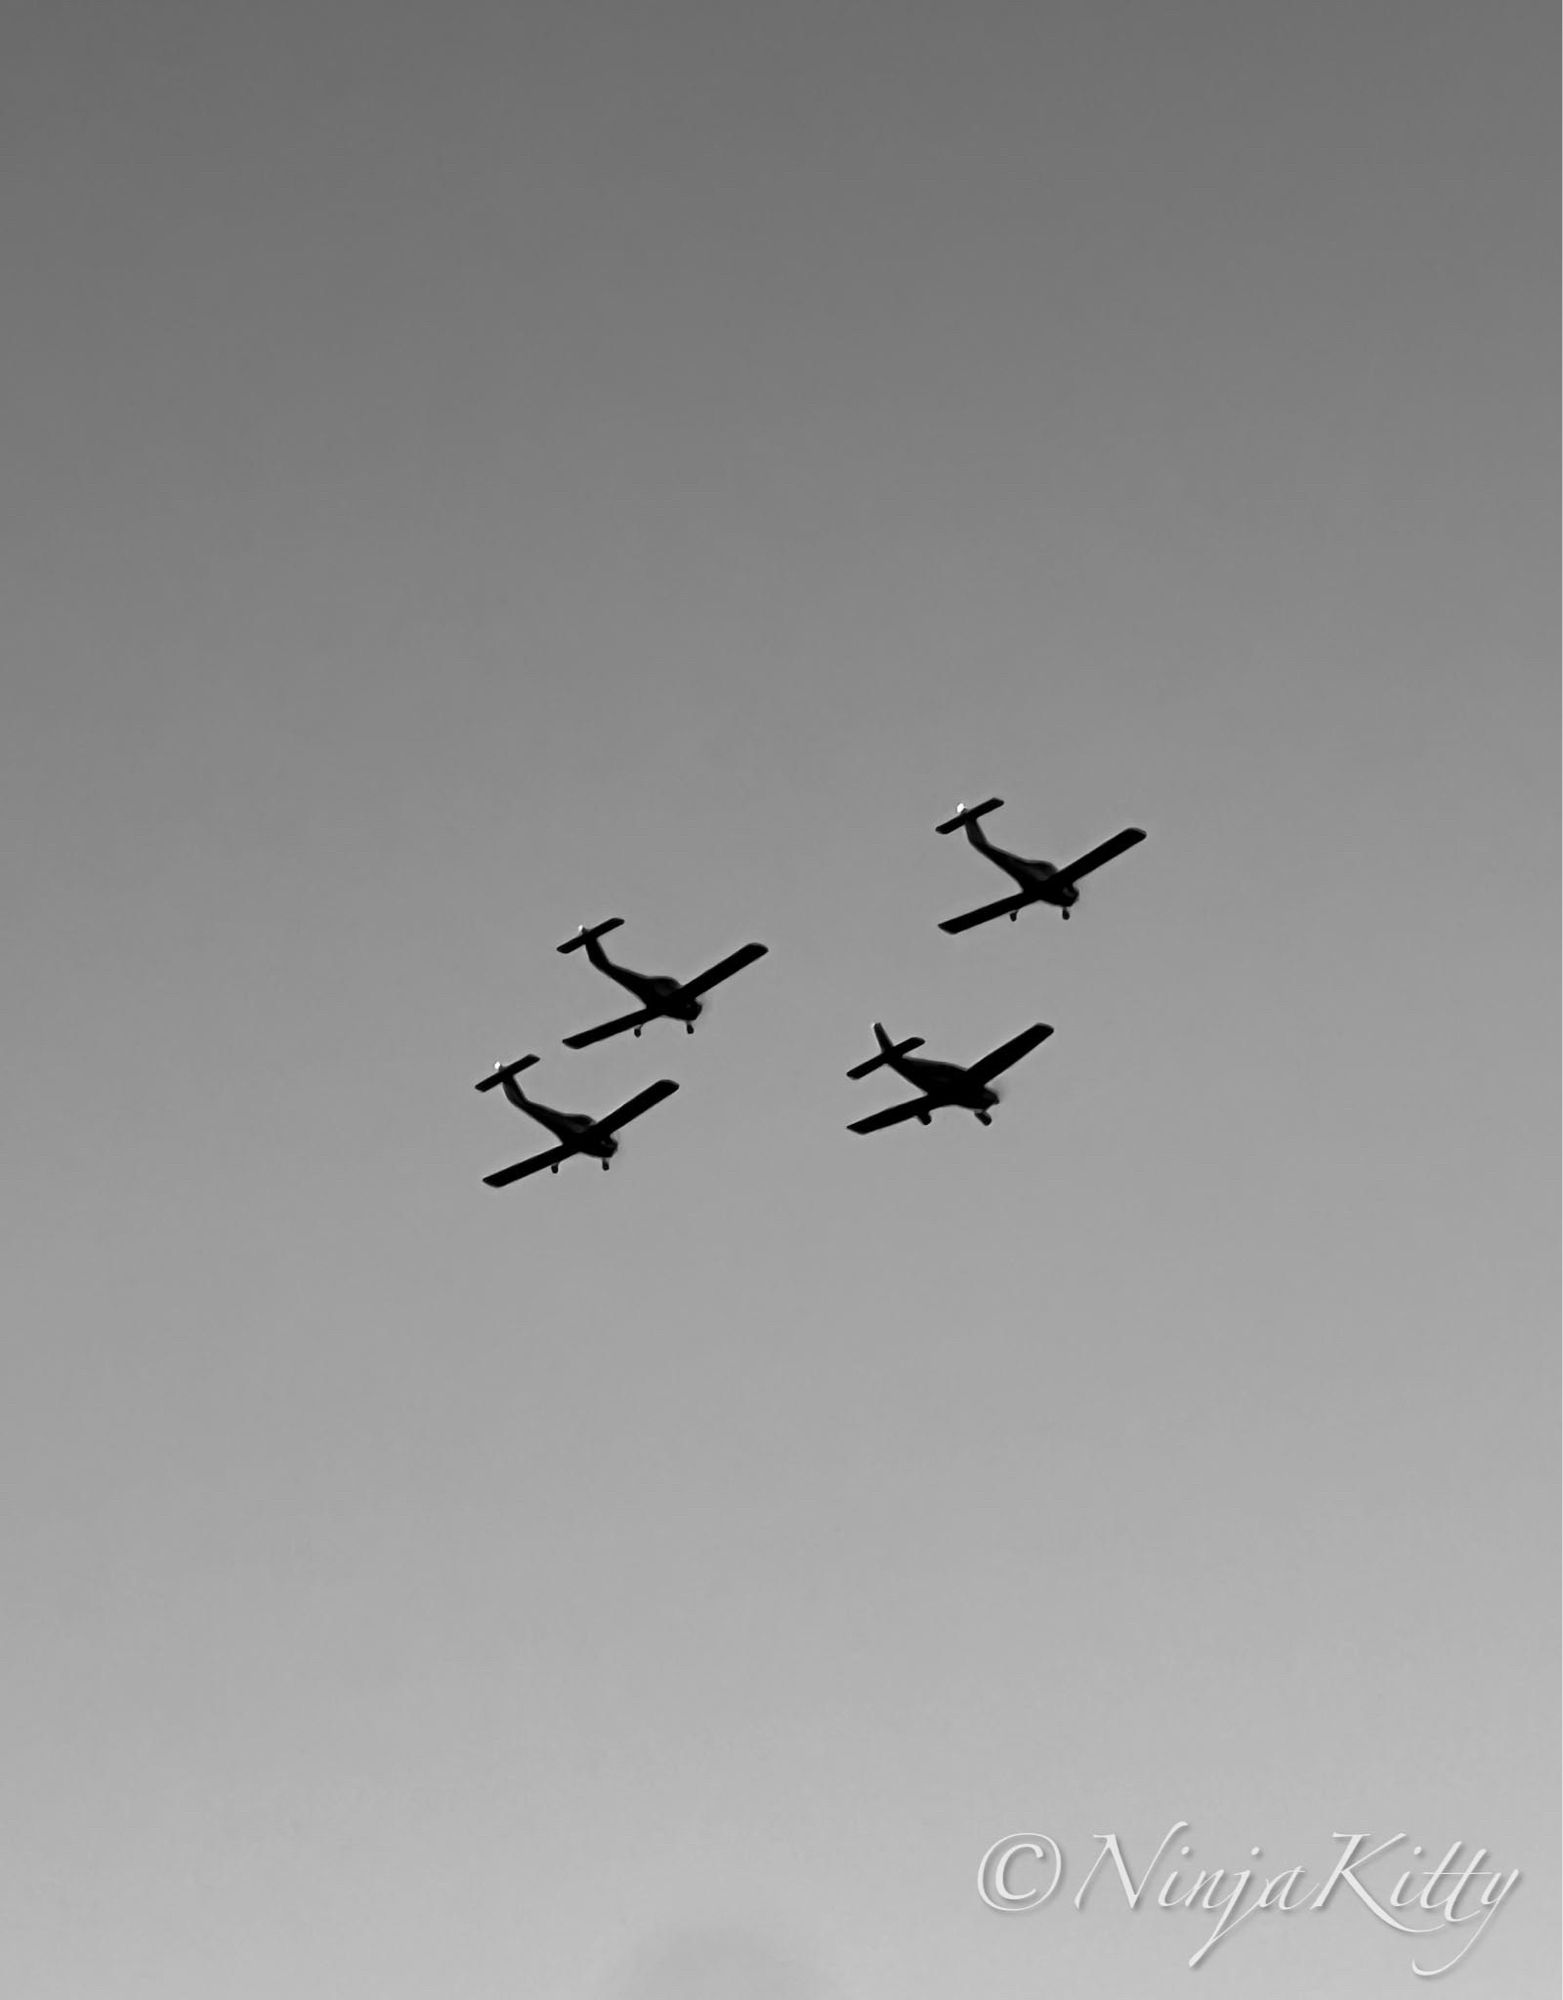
(575, 1132)
(1040, 881)
(940, 1082)
(657, 994)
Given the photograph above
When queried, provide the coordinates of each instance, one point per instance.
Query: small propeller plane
(657, 994)
(940, 1082)
(1040, 881)
(575, 1132)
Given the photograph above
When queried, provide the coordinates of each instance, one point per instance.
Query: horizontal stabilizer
(500, 1071)
(1108, 851)
(884, 1055)
(724, 969)
(604, 1029)
(641, 1101)
(590, 931)
(534, 1165)
(999, 1059)
(876, 1121)
(964, 815)
(988, 912)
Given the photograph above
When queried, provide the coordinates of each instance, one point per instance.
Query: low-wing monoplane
(941, 1082)
(656, 992)
(575, 1131)
(1040, 881)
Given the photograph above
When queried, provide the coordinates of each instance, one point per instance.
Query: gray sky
(471, 471)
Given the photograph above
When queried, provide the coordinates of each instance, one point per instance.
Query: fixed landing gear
(554, 1168)
(689, 1027)
(983, 1118)
(606, 1164)
(1065, 915)
(637, 1034)
(1014, 915)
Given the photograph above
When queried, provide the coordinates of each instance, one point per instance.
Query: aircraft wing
(602, 1031)
(1108, 851)
(641, 1101)
(725, 968)
(1000, 1059)
(876, 1121)
(988, 910)
(534, 1165)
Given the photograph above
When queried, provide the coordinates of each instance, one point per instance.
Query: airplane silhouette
(575, 1131)
(942, 1083)
(656, 992)
(1040, 881)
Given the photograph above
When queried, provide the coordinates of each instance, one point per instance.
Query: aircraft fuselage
(1037, 878)
(574, 1129)
(944, 1083)
(656, 991)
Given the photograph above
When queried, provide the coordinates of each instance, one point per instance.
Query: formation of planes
(659, 997)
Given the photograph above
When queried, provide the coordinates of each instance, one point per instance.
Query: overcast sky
(475, 470)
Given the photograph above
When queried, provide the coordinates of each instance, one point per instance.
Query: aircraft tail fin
(500, 1071)
(965, 815)
(887, 1049)
(588, 931)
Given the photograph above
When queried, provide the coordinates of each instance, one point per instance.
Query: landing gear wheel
(1065, 915)
(689, 1027)
(606, 1164)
